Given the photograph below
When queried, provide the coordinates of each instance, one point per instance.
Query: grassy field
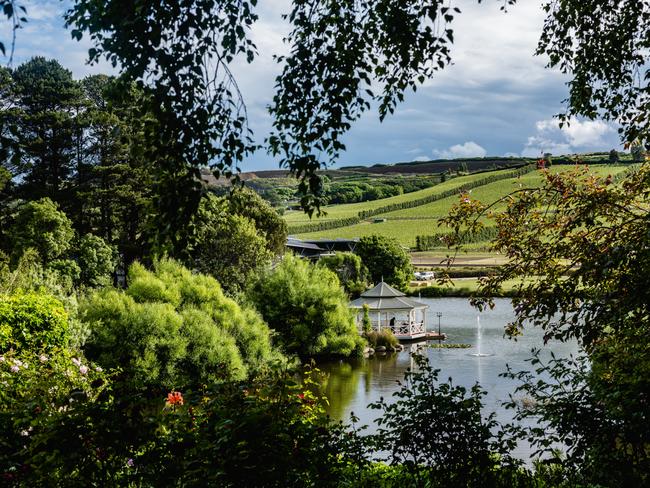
(486, 193)
(406, 224)
(352, 209)
(461, 287)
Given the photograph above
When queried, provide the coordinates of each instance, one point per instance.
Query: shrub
(173, 328)
(67, 270)
(41, 225)
(46, 430)
(437, 432)
(351, 272)
(62, 427)
(435, 241)
(247, 203)
(366, 324)
(384, 338)
(96, 260)
(307, 307)
(32, 321)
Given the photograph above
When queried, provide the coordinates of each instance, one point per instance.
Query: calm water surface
(353, 384)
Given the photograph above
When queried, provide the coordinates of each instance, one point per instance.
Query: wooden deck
(428, 336)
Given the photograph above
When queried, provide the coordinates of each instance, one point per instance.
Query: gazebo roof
(382, 290)
(385, 297)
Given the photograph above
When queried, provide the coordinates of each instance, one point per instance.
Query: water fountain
(478, 353)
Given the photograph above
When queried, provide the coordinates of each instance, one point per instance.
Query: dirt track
(435, 259)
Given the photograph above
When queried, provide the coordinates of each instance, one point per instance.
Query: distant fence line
(322, 225)
(435, 241)
(364, 214)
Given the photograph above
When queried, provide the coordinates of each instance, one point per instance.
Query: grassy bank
(462, 287)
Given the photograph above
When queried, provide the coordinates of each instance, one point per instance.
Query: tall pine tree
(47, 101)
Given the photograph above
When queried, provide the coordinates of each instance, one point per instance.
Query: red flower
(174, 398)
(301, 396)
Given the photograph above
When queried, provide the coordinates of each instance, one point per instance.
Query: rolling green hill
(352, 209)
(406, 224)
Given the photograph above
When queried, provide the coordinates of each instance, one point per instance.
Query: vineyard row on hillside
(364, 214)
(435, 241)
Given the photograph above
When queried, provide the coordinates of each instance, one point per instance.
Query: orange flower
(174, 398)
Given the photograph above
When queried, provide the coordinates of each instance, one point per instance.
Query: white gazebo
(392, 309)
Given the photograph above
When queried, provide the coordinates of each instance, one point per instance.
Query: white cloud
(575, 136)
(587, 133)
(537, 146)
(467, 150)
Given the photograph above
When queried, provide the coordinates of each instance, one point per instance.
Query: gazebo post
(378, 321)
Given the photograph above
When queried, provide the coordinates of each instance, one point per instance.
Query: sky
(497, 99)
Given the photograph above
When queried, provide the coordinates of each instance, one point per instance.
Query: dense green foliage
(226, 245)
(79, 143)
(45, 421)
(41, 230)
(362, 189)
(171, 328)
(385, 338)
(349, 268)
(359, 192)
(268, 223)
(306, 306)
(588, 237)
(30, 277)
(267, 431)
(386, 260)
(96, 261)
(179, 54)
(32, 321)
(123, 163)
(64, 422)
(43, 109)
(83, 145)
(40, 225)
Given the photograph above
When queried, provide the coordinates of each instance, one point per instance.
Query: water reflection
(352, 385)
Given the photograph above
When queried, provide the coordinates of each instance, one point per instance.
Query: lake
(353, 384)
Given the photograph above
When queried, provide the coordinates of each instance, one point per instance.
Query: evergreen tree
(47, 101)
(114, 185)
